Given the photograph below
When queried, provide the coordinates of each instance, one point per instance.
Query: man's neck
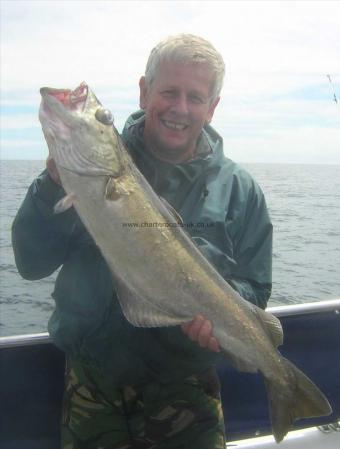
(171, 157)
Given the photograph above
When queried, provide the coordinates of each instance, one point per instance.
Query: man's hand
(200, 330)
(52, 170)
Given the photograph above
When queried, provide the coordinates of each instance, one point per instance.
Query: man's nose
(180, 105)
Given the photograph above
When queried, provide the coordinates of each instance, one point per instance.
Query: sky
(278, 102)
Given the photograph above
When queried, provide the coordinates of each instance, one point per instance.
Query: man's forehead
(178, 74)
(178, 65)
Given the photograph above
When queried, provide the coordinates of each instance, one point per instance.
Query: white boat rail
(306, 308)
(311, 438)
(332, 305)
(25, 340)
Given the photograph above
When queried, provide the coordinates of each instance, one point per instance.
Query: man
(139, 388)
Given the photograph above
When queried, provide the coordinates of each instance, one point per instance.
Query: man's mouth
(174, 125)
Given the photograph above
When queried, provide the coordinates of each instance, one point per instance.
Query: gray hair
(187, 49)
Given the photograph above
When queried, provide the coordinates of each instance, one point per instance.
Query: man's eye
(196, 99)
(168, 93)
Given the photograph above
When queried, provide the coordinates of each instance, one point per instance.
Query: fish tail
(303, 400)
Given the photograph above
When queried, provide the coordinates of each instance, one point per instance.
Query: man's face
(177, 106)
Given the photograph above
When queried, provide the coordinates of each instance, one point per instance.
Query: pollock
(162, 278)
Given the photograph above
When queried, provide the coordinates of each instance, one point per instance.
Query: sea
(304, 204)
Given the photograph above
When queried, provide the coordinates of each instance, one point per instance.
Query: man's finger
(194, 327)
(200, 330)
(205, 334)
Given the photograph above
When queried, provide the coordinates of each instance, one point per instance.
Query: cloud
(108, 42)
(272, 115)
(20, 121)
(301, 145)
(277, 56)
(23, 149)
(66, 42)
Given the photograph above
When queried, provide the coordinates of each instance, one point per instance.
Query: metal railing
(332, 305)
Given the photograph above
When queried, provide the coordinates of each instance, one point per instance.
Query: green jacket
(222, 208)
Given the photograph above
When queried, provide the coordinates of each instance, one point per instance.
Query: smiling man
(157, 388)
(178, 103)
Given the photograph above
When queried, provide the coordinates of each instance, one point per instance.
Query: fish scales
(161, 276)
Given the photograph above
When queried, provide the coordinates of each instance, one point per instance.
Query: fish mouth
(72, 100)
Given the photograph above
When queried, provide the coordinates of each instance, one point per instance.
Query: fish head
(79, 131)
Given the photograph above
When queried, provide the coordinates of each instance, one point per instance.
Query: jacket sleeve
(41, 238)
(246, 260)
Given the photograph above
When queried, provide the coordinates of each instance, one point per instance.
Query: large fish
(162, 278)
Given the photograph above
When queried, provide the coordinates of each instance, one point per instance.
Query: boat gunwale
(332, 305)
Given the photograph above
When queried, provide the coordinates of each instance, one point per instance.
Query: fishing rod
(333, 91)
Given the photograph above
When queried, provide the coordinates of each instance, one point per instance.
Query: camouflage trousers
(183, 415)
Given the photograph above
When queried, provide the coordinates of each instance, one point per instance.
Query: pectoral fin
(114, 190)
(141, 312)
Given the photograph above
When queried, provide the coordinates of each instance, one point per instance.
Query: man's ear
(142, 93)
(212, 109)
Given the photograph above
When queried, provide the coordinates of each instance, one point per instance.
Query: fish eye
(104, 116)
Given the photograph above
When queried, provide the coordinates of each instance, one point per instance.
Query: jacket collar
(208, 157)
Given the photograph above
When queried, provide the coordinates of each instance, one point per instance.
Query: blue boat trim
(32, 371)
